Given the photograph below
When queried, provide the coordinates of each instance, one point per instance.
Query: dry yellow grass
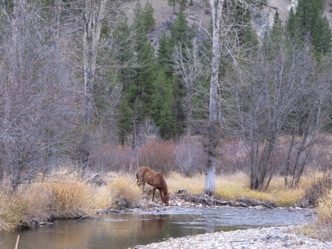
(123, 187)
(10, 211)
(194, 185)
(324, 210)
(70, 198)
(234, 186)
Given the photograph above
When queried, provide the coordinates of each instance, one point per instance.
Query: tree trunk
(216, 11)
(91, 36)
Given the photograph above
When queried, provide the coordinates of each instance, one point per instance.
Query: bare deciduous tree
(275, 96)
(188, 66)
(213, 127)
(38, 100)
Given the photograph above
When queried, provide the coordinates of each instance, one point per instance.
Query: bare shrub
(111, 157)
(189, 156)
(159, 155)
(322, 154)
(234, 155)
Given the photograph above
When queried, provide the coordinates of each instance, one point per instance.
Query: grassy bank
(232, 187)
(64, 194)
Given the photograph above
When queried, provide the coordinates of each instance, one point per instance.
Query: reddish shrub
(112, 157)
(158, 155)
(233, 155)
(190, 156)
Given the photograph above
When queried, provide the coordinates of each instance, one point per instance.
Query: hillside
(196, 14)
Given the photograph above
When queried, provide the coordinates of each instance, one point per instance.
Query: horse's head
(166, 198)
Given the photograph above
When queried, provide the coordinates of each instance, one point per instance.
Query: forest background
(105, 86)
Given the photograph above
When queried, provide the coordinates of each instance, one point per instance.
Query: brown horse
(156, 180)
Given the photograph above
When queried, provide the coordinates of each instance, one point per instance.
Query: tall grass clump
(320, 188)
(324, 210)
(10, 211)
(69, 199)
(41, 202)
(124, 191)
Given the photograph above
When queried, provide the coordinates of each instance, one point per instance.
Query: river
(124, 230)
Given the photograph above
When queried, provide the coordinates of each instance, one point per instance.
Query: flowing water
(126, 230)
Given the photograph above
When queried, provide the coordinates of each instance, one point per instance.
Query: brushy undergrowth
(64, 194)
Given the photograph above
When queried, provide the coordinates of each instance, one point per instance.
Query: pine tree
(162, 106)
(313, 26)
(164, 98)
(293, 29)
(181, 35)
(306, 12)
(124, 122)
(321, 36)
(137, 81)
(274, 40)
(164, 59)
(246, 36)
(141, 87)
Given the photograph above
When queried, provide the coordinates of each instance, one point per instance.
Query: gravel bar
(256, 238)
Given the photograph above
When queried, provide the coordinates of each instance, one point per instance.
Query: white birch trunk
(216, 12)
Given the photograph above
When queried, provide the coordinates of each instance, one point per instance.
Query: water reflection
(127, 230)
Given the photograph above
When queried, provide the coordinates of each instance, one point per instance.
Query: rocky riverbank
(260, 238)
(257, 238)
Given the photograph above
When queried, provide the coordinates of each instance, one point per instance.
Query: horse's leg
(138, 178)
(153, 192)
(161, 196)
(143, 184)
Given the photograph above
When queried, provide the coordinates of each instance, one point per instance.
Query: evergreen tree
(274, 40)
(142, 87)
(307, 12)
(137, 81)
(293, 29)
(164, 59)
(277, 30)
(313, 26)
(181, 32)
(181, 35)
(124, 120)
(162, 106)
(164, 98)
(245, 35)
(321, 36)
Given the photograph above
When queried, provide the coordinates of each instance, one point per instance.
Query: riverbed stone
(259, 238)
